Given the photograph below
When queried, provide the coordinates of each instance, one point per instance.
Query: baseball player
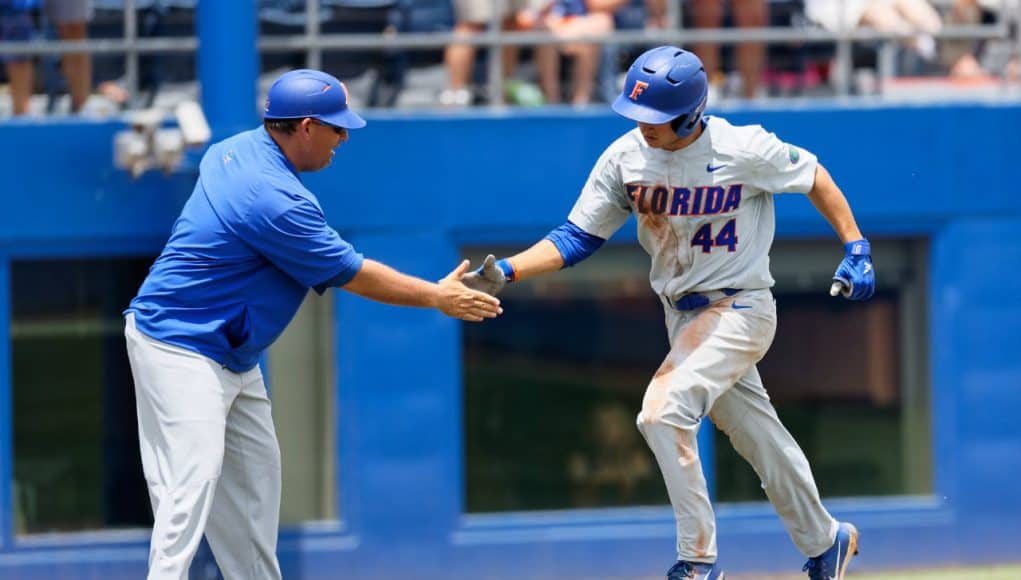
(249, 244)
(702, 192)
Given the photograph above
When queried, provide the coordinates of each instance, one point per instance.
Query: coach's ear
(305, 127)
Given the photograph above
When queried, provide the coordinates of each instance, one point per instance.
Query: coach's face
(318, 140)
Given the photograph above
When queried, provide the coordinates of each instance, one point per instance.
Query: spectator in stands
(970, 58)
(16, 26)
(916, 17)
(70, 19)
(473, 17)
(656, 16)
(573, 18)
(750, 56)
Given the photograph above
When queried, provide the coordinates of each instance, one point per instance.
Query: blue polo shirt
(250, 242)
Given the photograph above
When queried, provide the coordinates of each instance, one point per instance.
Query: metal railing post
(131, 56)
(886, 65)
(314, 56)
(494, 33)
(844, 56)
(674, 15)
(842, 72)
(1005, 16)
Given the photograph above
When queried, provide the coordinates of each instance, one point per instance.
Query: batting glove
(855, 272)
(490, 277)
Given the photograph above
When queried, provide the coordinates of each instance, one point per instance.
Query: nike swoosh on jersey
(737, 306)
(709, 167)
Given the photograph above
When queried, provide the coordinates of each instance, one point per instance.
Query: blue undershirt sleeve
(574, 243)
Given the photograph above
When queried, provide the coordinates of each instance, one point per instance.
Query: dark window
(552, 388)
(76, 458)
(847, 379)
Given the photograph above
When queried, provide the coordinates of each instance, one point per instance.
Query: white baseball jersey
(705, 212)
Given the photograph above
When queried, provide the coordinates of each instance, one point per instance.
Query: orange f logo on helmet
(640, 87)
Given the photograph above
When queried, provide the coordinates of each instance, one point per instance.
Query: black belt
(699, 299)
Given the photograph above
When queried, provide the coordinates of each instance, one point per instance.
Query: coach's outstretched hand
(489, 278)
(855, 272)
(459, 300)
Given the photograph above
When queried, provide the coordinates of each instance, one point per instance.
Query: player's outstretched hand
(489, 278)
(855, 277)
(459, 301)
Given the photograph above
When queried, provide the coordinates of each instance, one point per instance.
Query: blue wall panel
(411, 190)
(60, 185)
(399, 380)
(975, 343)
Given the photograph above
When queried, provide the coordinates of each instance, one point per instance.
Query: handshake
(490, 278)
(470, 296)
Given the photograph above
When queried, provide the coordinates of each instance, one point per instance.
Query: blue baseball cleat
(694, 571)
(832, 564)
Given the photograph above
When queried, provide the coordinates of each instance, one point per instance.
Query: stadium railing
(313, 42)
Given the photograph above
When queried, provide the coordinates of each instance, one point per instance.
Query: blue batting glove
(855, 273)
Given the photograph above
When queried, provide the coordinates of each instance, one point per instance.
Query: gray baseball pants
(710, 370)
(211, 461)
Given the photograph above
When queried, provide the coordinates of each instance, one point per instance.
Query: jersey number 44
(725, 236)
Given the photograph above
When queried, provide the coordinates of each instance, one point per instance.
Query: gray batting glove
(488, 278)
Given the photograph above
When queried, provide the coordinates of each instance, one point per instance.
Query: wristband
(858, 248)
(509, 273)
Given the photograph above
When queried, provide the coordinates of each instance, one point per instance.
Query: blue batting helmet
(311, 93)
(665, 84)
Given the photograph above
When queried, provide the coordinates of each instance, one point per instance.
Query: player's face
(321, 140)
(662, 136)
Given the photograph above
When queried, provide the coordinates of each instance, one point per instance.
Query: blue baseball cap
(663, 84)
(310, 93)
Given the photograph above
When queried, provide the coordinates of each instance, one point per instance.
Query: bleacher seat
(616, 58)
(389, 65)
(793, 67)
(155, 18)
(414, 16)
